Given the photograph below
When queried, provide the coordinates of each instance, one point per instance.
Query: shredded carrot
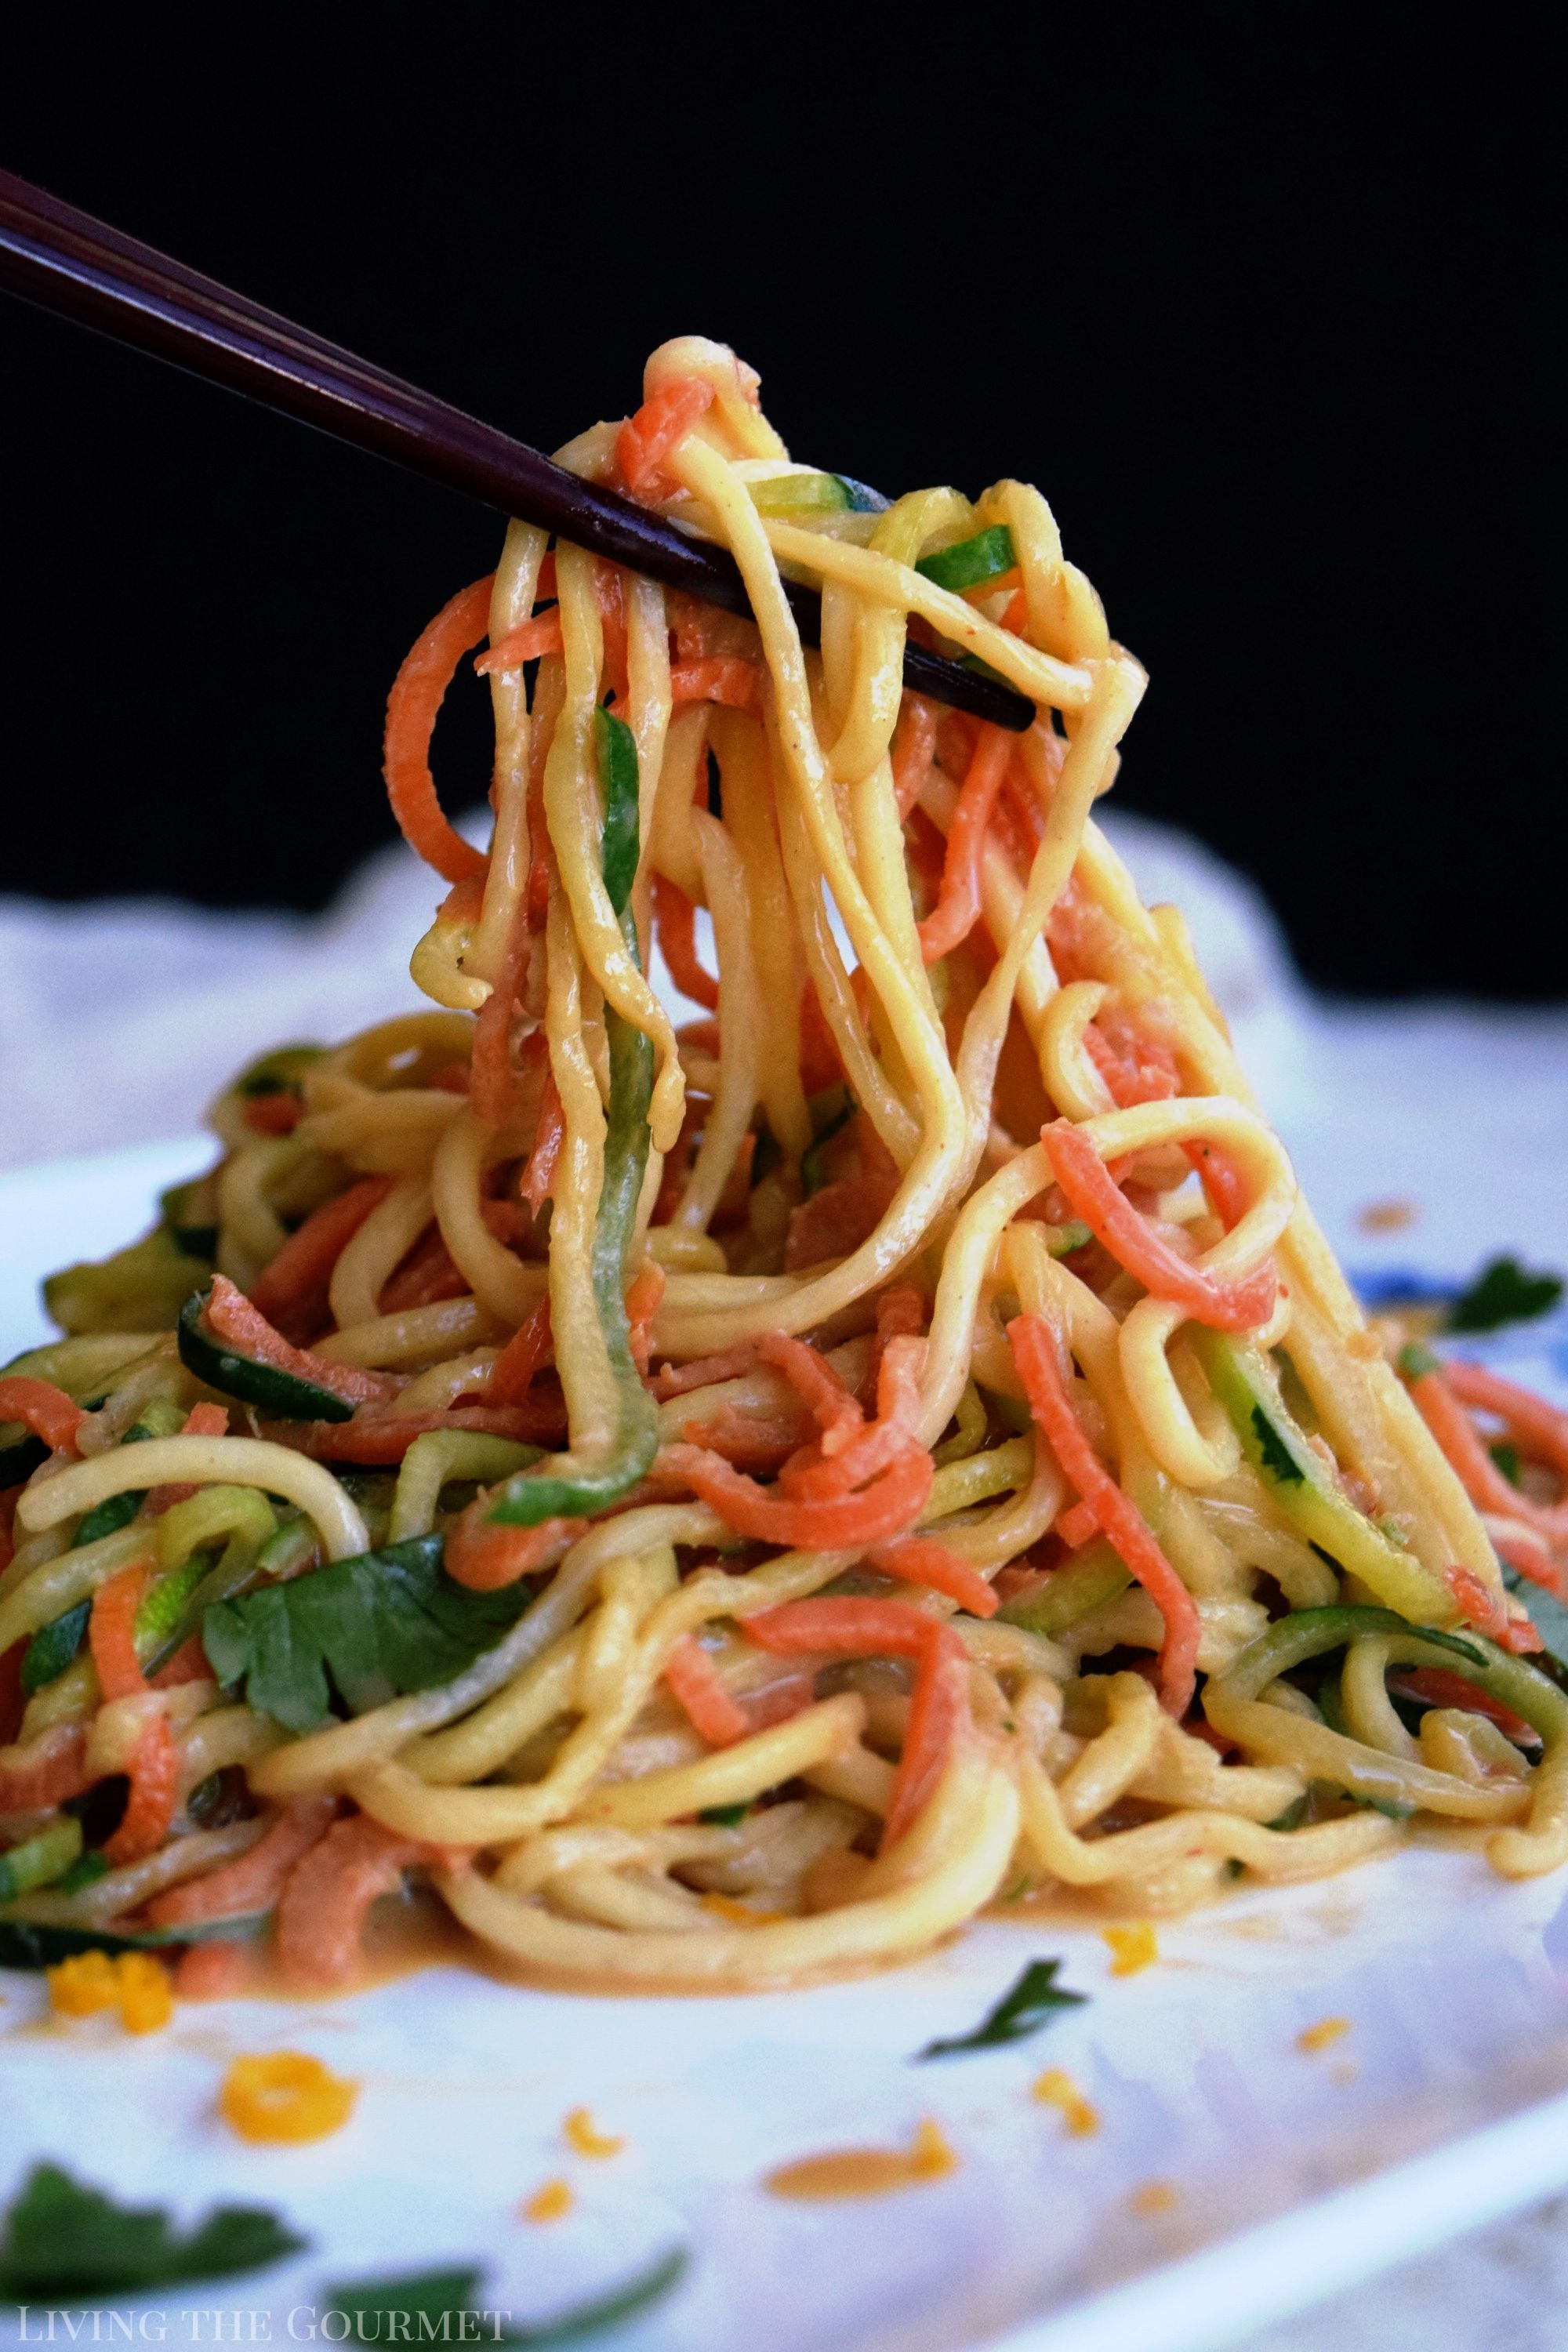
(1096, 1197)
(253, 1884)
(914, 748)
(1488, 1612)
(496, 1076)
(110, 1632)
(231, 1315)
(645, 439)
(1122, 1525)
(816, 1384)
(1484, 1483)
(747, 1441)
(938, 1708)
(957, 909)
(921, 1559)
(700, 1689)
(643, 1301)
(1075, 1526)
(188, 1664)
(704, 1371)
(512, 1373)
(275, 1114)
(484, 1557)
(298, 1275)
(202, 1421)
(1537, 1427)
(676, 919)
(881, 1511)
(526, 643)
(815, 1473)
(1440, 1687)
(154, 1774)
(611, 602)
(1137, 1074)
(328, 1893)
(218, 1970)
(416, 696)
(45, 1771)
(47, 1412)
(538, 1177)
(724, 679)
(385, 1438)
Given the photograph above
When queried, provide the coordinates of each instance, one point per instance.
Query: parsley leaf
(1504, 1292)
(371, 1628)
(1277, 1459)
(62, 2240)
(437, 2299)
(1032, 2002)
(1506, 1456)
(725, 1817)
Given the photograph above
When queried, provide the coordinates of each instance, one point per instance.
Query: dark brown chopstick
(68, 262)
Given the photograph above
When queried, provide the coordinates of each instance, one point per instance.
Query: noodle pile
(724, 1504)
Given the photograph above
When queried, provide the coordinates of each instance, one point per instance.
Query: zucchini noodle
(724, 1501)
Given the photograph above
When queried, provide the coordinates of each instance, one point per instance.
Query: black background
(1256, 295)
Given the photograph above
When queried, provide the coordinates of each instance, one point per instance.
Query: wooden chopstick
(54, 255)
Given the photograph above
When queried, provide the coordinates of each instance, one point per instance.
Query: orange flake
(1319, 2036)
(283, 2096)
(740, 1915)
(582, 2134)
(1387, 1216)
(550, 2203)
(1131, 1949)
(1152, 2197)
(933, 2153)
(146, 1993)
(846, 2172)
(1056, 2089)
(83, 1984)
(135, 1983)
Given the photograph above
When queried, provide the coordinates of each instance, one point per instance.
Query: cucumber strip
(283, 1395)
(39, 1859)
(973, 561)
(1075, 1590)
(790, 494)
(53, 1647)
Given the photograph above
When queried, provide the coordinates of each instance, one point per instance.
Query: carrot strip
(254, 1883)
(746, 1440)
(483, 1557)
(47, 1412)
(303, 1267)
(494, 1071)
(386, 1437)
(1539, 1428)
(643, 1301)
(45, 1772)
(278, 1113)
(218, 1970)
(110, 1632)
(815, 1474)
(611, 602)
(724, 679)
(232, 1316)
(1484, 1483)
(1096, 1197)
(914, 749)
(921, 1559)
(155, 1791)
(957, 909)
(416, 696)
(1487, 1611)
(526, 643)
(939, 1709)
(1131, 1076)
(901, 1315)
(512, 1373)
(834, 1411)
(699, 1688)
(539, 1175)
(1441, 1687)
(1122, 1523)
(883, 1510)
(188, 1664)
(646, 438)
(1076, 1527)
(202, 1421)
(676, 919)
(328, 1893)
(704, 1371)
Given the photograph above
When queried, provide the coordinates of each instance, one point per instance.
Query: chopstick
(68, 262)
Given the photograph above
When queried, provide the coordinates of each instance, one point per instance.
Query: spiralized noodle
(899, 1437)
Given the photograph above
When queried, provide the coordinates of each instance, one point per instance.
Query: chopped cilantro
(1293, 1815)
(1032, 2002)
(1504, 1292)
(1506, 1456)
(62, 2240)
(1277, 1459)
(1416, 1361)
(371, 1627)
(725, 1817)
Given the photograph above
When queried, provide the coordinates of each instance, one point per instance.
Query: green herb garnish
(1033, 2001)
(371, 1628)
(1277, 1459)
(62, 2240)
(1504, 1292)
(441, 2302)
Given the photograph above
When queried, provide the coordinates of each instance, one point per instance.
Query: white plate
(1290, 2175)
